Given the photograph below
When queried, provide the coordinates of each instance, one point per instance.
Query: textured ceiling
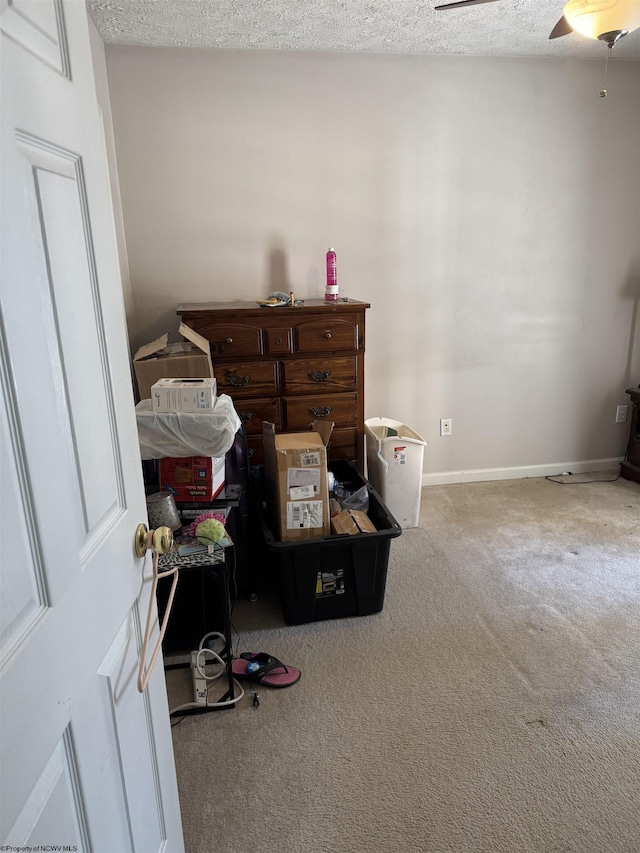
(503, 28)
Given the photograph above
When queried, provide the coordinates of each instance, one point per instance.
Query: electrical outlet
(445, 426)
(621, 414)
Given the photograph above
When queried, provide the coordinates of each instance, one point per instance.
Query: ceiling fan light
(592, 18)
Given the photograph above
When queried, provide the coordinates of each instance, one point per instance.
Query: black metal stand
(220, 570)
(203, 605)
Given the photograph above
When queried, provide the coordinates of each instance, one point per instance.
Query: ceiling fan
(607, 20)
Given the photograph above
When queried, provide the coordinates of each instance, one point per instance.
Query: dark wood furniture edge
(630, 467)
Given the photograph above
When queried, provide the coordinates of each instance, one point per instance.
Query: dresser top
(341, 305)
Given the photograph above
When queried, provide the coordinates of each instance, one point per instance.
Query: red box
(192, 478)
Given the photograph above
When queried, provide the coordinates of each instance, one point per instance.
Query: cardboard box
(192, 478)
(183, 395)
(296, 473)
(352, 521)
(162, 360)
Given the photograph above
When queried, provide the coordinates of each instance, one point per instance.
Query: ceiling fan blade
(562, 28)
(462, 3)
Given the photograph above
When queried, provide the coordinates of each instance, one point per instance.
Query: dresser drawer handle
(327, 334)
(320, 411)
(319, 375)
(245, 417)
(228, 340)
(237, 381)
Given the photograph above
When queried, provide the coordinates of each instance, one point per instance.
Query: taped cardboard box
(297, 488)
(162, 360)
(352, 521)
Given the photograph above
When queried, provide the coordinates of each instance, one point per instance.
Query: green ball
(209, 531)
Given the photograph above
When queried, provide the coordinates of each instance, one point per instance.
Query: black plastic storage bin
(335, 576)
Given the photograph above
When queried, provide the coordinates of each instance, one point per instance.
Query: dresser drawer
(247, 379)
(278, 340)
(343, 444)
(255, 446)
(301, 411)
(326, 335)
(230, 338)
(312, 375)
(253, 412)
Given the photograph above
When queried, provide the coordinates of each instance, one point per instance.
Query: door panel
(59, 199)
(55, 808)
(23, 594)
(135, 744)
(40, 28)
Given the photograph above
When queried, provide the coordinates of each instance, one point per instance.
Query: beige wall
(487, 209)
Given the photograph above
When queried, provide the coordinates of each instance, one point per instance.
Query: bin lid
(380, 428)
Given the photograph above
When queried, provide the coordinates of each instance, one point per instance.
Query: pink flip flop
(264, 669)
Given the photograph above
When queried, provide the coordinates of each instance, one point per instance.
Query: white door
(86, 760)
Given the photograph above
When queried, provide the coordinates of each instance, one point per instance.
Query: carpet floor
(493, 705)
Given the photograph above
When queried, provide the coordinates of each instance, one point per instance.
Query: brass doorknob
(159, 540)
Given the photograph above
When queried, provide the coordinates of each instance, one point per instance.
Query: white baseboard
(480, 475)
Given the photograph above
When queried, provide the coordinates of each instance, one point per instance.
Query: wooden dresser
(630, 468)
(290, 366)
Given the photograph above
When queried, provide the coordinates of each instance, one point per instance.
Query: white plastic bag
(187, 433)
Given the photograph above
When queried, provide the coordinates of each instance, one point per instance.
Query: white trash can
(394, 467)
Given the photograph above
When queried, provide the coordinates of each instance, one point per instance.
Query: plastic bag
(358, 500)
(187, 433)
